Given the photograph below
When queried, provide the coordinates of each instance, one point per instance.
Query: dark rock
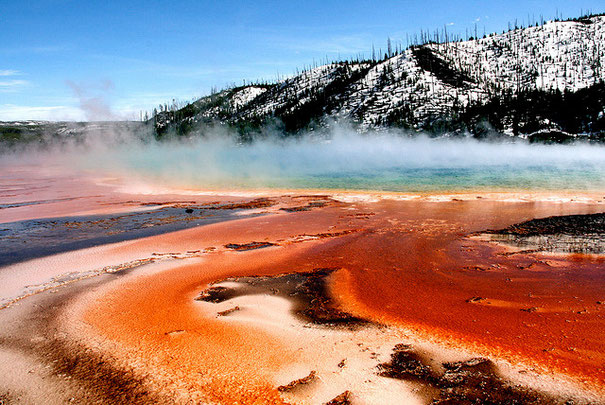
(256, 203)
(228, 311)
(566, 224)
(249, 246)
(296, 209)
(568, 233)
(342, 399)
(296, 383)
(474, 381)
(406, 364)
(217, 294)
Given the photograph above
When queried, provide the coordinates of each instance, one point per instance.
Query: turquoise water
(409, 179)
(385, 163)
(444, 179)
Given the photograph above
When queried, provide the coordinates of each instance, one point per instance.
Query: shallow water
(385, 163)
(404, 179)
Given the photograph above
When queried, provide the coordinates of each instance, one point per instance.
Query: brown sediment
(166, 202)
(228, 311)
(322, 235)
(5, 399)
(296, 209)
(473, 381)
(519, 252)
(308, 207)
(362, 215)
(309, 290)
(312, 196)
(342, 399)
(71, 372)
(476, 299)
(241, 247)
(217, 294)
(256, 203)
(332, 234)
(297, 383)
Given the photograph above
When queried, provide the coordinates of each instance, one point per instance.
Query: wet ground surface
(28, 203)
(29, 239)
(473, 381)
(568, 234)
(406, 262)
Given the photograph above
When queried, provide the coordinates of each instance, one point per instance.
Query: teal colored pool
(385, 163)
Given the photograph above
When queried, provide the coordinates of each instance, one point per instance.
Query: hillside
(17, 134)
(535, 81)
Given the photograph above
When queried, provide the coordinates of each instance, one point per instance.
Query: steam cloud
(93, 100)
(341, 159)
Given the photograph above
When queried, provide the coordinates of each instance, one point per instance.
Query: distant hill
(42, 133)
(544, 82)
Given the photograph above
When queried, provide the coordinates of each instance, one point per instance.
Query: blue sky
(75, 60)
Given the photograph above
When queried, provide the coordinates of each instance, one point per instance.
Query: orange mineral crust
(418, 270)
(407, 263)
(206, 360)
(157, 320)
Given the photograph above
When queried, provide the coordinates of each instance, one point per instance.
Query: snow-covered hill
(425, 84)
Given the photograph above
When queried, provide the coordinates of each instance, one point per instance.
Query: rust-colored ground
(422, 272)
(158, 317)
(407, 263)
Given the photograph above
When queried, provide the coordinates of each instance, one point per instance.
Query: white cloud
(7, 86)
(11, 112)
(450, 23)
(9, 72)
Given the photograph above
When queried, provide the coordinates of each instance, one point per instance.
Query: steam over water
(347, 160)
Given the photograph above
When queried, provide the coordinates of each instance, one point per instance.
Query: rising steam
(341, 159)
(93, 100)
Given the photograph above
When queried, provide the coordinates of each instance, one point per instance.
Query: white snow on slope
(563, 55)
